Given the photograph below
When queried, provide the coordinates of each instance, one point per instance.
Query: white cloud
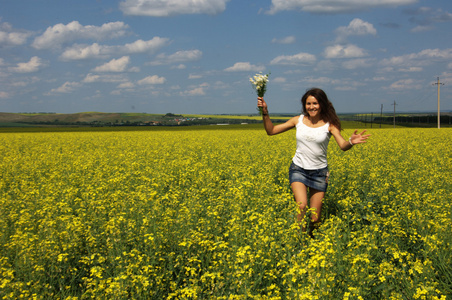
(114, 65)
(126, 85)
(357, 27)
(285, 40)
(341, 51)
(59, 34)
(319, 80)
(141, 46)
(333, 7)
(443, 17)
(426, 17)
(194, 76)
(297, 59)
(379, 78)
(90, 78)
(134, 69)
(28, 67)
(12, 37)
(178, 57)
(356, 63)
(342, 84)
(151, 80)
(199, 91)
(411, 69)
(4, 95)
(78, 52)
(279, 80)
(419, 59)
(244, 66)
(19, 84)
(446, 78)
(179, 67)
(436, 53)
(325, 65)
(67, 87)
(421, 28)
(196, 91)
(159, 8)
(406, 84)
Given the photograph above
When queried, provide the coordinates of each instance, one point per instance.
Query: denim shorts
(315, 179)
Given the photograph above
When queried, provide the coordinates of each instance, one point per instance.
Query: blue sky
(196, 56)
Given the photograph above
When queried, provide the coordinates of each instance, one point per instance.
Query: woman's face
(312, 106)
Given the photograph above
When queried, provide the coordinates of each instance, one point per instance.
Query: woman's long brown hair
(327, 111)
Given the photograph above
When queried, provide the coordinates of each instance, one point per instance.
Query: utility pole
(438, 84)
(394, 111)
(381, 114)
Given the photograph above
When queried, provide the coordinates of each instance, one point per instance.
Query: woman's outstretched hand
(261, 103)
(359, 138)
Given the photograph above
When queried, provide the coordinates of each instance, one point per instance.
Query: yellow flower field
(208, 214)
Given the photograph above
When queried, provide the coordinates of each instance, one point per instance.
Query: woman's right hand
(261, 103)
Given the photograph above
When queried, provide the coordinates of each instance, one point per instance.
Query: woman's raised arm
(353, 140)
(268, 124)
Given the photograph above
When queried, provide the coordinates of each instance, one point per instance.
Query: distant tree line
(37, 113)
(166, 121)
(409, 120)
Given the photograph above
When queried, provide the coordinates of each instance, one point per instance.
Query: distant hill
(118, 119)
(100, 119)
(52, 117)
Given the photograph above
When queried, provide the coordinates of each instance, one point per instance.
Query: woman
(309, 168)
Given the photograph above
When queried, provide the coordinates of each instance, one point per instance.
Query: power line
(421, 98)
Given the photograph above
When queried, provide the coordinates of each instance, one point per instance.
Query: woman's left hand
(359, 138)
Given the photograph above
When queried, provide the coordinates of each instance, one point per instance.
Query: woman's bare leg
(315, 202)
(300, 194)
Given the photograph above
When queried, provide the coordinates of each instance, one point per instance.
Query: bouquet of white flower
(259, 82)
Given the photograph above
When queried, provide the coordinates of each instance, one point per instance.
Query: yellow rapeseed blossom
(208, 214)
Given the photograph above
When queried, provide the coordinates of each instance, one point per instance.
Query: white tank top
(312, 146)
